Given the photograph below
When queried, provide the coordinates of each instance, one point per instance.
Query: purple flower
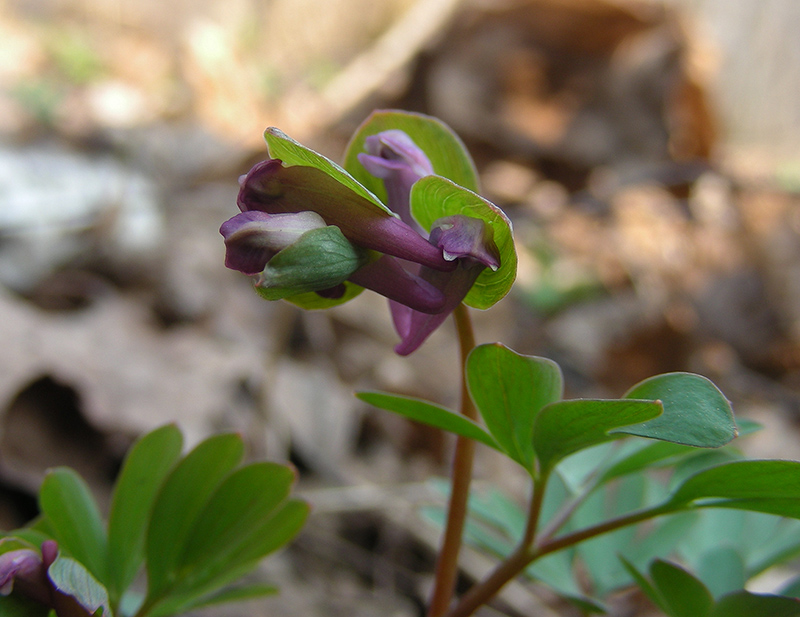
(302, 230)
(395, 159)
(25, 570)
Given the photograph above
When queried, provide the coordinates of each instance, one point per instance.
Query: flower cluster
(302, 230)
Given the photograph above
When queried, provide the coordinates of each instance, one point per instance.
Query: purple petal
(270, 187)
(22, 563)
(467, 237)
(253, 238)
(387, 277)
(393, 157)
(413, 326)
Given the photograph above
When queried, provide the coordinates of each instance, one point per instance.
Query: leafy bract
(72, 512)
(434, 197)
(446, 152)
(430, 414)
(283, 147)
(509, 390)
(146, 465)
(696, 413)
(564, 427)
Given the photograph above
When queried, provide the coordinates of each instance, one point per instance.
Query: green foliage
(509, 390)
(679, 594)
(596, 487)
(196, 523)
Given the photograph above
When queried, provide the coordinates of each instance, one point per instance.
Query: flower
(393, 157)
(25, 570)
(303, 230)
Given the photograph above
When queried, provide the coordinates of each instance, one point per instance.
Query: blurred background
(646, 151)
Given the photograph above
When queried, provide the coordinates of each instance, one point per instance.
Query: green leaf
(146, 465)
(446, 152)
(233, 519)
(696, 413)
(644, 584)
(430, 414)
(283, 147)
(274, 532)
(72, 579)
(772, 487)
(746, 604)
(68, 504)
(434, 197)
(682, 594)
(509, 390)
(182, 497)
(564, 427)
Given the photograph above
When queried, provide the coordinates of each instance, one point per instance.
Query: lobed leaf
(565, 427)
(509, 390)
(770, 486)
(682, 594)
(696, 413)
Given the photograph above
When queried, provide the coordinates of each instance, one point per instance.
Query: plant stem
(535, 509)
(521, 558)
(447, 563)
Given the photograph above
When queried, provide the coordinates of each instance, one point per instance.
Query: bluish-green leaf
(434, 197)
(509, 390)
(430, 414)
(722, 570)
(564, 427)
(696, 413)
(183, 495)
(446, 152)
(683, 595)
(746, 604)
(75, 520)
(762, 486)
(146, 465)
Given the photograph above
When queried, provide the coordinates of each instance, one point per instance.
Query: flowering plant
(403, 218)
